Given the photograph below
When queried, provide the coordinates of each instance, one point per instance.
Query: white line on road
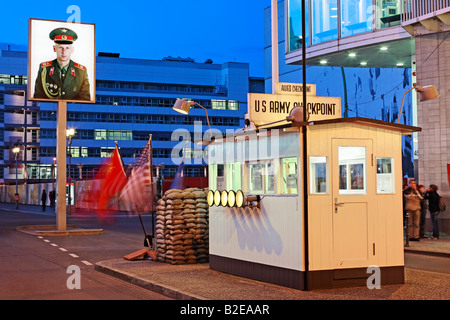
(46, 240)
(62, 249)
(73, 255)
(53, 244)
(86, 263)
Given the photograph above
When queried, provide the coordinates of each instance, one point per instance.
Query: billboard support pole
(61, 154)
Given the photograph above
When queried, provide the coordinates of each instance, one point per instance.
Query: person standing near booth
(433, 206)
(423, 210)
(43, 199)
(413, 198)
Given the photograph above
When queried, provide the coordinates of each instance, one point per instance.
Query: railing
(413, 9)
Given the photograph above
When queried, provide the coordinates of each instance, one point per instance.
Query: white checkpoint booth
(354, 203)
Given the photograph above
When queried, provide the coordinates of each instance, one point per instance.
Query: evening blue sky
(231, 30)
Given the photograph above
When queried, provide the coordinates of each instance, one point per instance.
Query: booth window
(385, 175)
(318, 168)
(233, 176)
(352, 170)
(289, 175)
(269, 177)
(256, 178)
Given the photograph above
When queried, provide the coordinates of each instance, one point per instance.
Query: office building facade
(134, 99)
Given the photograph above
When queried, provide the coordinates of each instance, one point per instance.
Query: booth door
(352, 187)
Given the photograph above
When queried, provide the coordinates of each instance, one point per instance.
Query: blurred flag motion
(136, 196)
(113, 178)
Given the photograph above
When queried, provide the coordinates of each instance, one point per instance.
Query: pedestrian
(51, 196)
(412, 206)
(423, 210)
(43, 199)
(433, 205)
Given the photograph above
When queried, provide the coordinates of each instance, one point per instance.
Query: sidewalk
(199, 282)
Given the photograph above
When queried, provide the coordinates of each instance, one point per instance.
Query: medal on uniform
(73, 72)
(52, 70)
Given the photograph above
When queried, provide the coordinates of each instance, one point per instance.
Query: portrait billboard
(61, 61)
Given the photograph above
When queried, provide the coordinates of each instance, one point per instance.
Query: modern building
(134, 99)
(371, 53)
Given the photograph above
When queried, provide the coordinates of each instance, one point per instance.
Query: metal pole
(275, 71)
(304, 149)
(17, 187)
(61, 155)
(70, 173)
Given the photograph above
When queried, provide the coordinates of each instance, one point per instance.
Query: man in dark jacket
(433, 205)
(43, 199)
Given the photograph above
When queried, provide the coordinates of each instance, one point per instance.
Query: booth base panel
(317, 279)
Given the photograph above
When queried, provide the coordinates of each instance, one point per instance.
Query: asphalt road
(51, 268)
(42, 268)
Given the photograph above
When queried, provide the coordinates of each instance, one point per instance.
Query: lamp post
(183, 106)
(16, 151)
(70, 133)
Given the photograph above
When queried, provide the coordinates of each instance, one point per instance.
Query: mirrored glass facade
(328, 20)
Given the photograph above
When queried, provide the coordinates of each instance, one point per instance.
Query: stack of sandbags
(175, 226)
(182, 226)
(160, 229)
(201, 238)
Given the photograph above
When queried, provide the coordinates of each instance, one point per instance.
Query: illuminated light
(352, 54)
(400, 64)
(363, 63)
(224, 198)
(384, 48)
(210, 198)
(217, 198)
(240, 199)
(323, 61)
(231, 198)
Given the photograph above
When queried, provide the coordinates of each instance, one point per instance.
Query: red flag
(114, 180)
(448, 173)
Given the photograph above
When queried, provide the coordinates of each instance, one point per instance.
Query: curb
(428, 253)
(157, 288)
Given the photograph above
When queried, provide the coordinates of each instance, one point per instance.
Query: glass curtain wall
(294, 8)
(324, 20)
(332, 19)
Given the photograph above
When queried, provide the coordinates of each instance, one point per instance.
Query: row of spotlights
(226, 198)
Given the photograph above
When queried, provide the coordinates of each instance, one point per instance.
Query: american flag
(137, 192)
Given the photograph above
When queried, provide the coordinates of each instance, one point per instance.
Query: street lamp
(183, 106)
(70, 133)
(426, 93)
(16, 151)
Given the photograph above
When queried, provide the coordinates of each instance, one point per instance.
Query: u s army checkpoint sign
(268, 108)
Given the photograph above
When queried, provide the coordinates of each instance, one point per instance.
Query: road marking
(53, 244)
(40, 237)
(73, 255)
(46, 240)
(86, 263)
(62, 249)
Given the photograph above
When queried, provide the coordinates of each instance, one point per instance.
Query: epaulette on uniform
(46, 64)
(79, 66)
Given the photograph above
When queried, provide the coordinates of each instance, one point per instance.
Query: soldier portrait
(63, 77)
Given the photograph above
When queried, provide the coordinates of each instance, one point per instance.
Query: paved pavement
(199, 282)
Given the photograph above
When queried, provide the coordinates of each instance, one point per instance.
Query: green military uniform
(51, 84)
(68, 83)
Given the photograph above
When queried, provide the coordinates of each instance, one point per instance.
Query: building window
(356, 17)
(318, 171)
(385, 175)
(295, 24)
(324, 21)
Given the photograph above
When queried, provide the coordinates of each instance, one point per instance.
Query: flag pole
(152, 193)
